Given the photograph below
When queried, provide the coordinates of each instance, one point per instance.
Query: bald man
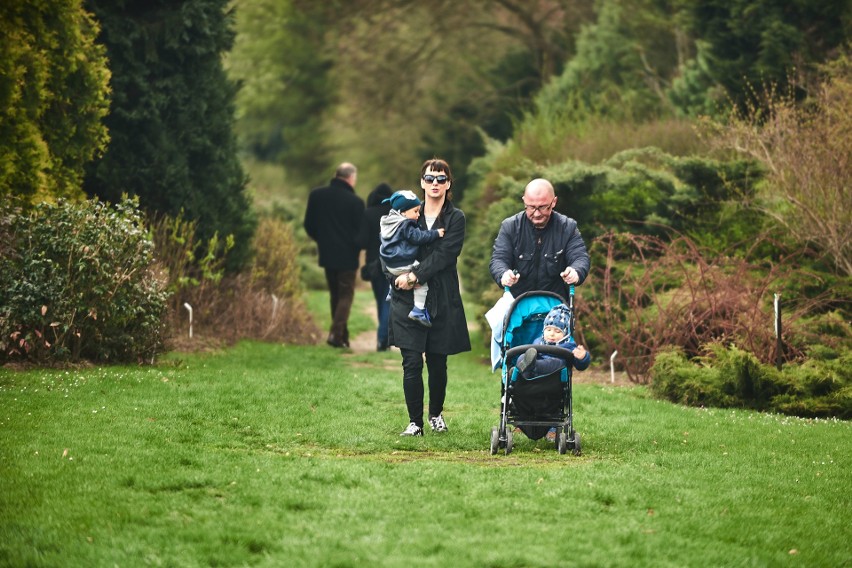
(539, 248)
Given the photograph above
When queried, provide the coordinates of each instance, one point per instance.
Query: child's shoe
(421, 316)
(551, 435)
(525, 360)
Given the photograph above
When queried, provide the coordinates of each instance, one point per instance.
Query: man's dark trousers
(341, 288)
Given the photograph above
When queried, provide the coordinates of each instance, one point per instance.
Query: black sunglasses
(428, 178)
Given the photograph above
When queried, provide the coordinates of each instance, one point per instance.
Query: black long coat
(438, 267)
(333, 220)
(369, 238)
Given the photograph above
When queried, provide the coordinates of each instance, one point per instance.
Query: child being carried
(401, 239)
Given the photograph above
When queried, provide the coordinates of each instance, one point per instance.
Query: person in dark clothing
(333, 220)
(448, 334)
(371, 272)
(539, 248)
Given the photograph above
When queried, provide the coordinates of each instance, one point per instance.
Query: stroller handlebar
(554, 350)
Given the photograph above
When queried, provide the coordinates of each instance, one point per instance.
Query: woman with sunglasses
(448, 334)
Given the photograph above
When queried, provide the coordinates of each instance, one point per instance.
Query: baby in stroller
(556, 332)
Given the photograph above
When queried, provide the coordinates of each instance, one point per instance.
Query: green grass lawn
(269, 455)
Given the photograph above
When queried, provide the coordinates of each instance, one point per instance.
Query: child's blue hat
(402, 200)
(559, 316)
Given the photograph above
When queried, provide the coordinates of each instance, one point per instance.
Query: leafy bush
(730, 377)
(75, 284)
(184, 260)
(808, 159)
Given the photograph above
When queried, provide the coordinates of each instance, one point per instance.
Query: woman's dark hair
(439, 165)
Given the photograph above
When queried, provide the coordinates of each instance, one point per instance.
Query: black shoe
(337, 344)
(525, 360)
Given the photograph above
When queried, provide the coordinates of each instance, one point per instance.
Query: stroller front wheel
(509, 441)
(495, 440)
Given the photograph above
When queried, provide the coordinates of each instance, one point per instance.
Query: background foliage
(54, 95)
(702, 146)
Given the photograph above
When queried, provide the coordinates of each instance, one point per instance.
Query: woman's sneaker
(437, 423)
(412, 430)
(421, 316)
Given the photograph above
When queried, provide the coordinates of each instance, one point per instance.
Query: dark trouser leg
(380, 292)
(547, 365)
(412, 384)
(341, 286)
(331, 281)
(437, 366)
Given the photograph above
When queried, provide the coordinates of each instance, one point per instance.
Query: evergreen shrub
(75, 284)
(730, 377)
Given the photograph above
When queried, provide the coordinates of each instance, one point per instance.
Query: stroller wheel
(495, 439)
(508, 441)
(576, 450)
(561, 442)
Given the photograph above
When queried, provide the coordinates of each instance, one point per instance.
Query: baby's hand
(579, 352)
(441, 232)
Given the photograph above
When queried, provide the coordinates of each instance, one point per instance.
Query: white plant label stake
(189, 309)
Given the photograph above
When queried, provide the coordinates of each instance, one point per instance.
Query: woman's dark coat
(368, 238)
(438, 267)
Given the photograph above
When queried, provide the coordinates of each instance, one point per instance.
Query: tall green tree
(54, 93)
(625, 62)
(172, 118)
(744, 45)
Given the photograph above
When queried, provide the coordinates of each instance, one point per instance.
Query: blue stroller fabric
(524, 322)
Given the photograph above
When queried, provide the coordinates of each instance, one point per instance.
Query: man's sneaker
(421, 316)
(551, 435)
(412, 430)
(525, 360)
(437, 423)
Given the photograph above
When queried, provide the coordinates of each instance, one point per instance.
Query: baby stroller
(534, 405)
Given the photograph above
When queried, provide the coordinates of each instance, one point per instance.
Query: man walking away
(333, 219)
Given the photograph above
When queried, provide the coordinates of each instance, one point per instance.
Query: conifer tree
(53, 95)
(172, 115)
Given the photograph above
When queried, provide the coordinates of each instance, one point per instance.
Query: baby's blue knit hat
(559, 316)
(402, 200)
